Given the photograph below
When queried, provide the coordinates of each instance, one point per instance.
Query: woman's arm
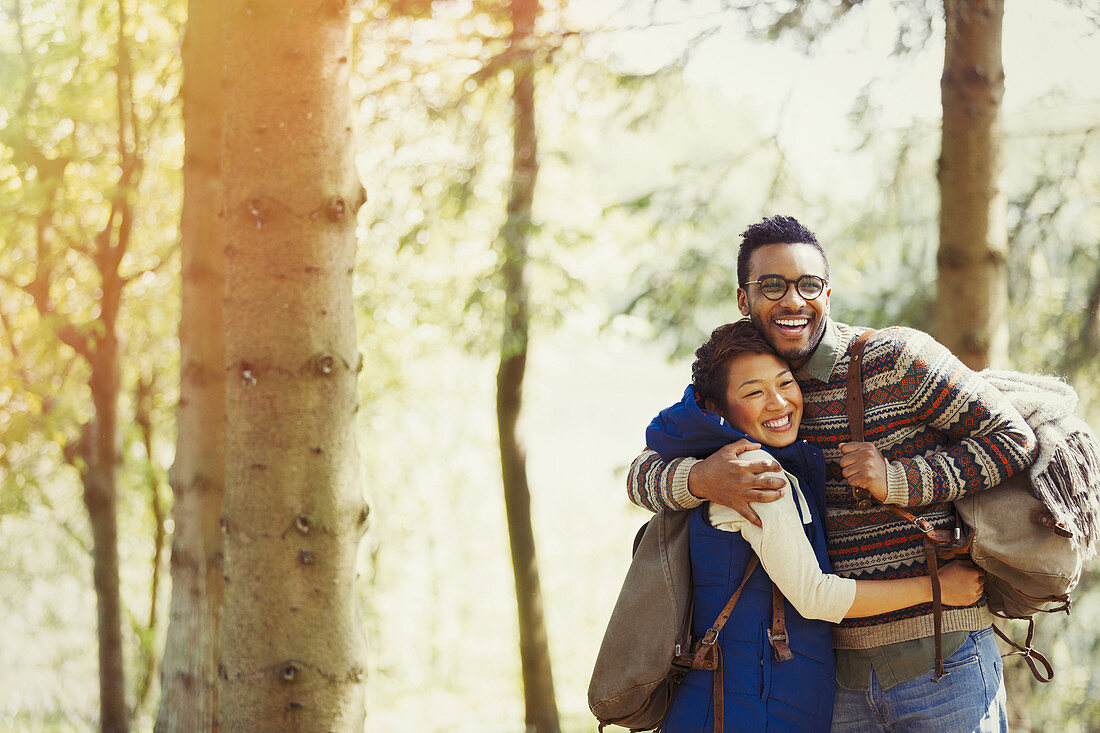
(961, 584)
(789, 560)
(787, 556)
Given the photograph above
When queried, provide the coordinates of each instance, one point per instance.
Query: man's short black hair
(774, 230)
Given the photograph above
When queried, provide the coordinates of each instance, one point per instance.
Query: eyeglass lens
(774, 287)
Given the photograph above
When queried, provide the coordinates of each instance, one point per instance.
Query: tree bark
(540, 706)
(189, 687)
(292, 647)
(972, 301)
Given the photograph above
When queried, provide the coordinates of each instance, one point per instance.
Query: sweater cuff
(897, 487)
(680, 494)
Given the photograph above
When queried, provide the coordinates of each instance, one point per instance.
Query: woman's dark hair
(774, 230)
(709, 372)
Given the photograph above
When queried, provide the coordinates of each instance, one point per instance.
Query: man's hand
(864, 466)
(727, 479)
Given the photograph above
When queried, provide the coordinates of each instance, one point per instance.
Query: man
(935, 432)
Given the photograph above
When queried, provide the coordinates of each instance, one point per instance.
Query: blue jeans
(970, 698)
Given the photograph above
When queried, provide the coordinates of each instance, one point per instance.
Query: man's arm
(988, 439)
(723, 477)
(655, 484)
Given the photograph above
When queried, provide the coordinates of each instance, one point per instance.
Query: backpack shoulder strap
(711, 637)
(932, 537)
(855, 386)
(708, 654)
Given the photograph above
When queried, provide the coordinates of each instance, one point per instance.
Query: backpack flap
(1031, 567)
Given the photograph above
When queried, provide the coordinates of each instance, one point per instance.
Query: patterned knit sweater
(944, 433)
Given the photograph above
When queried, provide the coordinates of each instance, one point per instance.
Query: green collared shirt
(893, 663)
(828, 352)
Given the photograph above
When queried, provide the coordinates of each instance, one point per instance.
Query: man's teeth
(792, 322)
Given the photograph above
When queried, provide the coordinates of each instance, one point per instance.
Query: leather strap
(935, 541)
(709, 656)
(855, 386)
(1029, 654)
(937, 606)
(854, 383)
(719, 693)
(863, 497)
(704, 654)
(777, 634)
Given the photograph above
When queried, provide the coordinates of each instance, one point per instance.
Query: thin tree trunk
(143, 418)
(100, 488)
(101, 500)
(189, 686)
(540, 706)
(972, 299)
(94, 342)
(292, 646)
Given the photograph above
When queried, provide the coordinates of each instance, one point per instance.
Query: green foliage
(63, 186)
(436, 113)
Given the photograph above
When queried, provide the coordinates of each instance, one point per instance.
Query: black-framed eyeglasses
(774, 287)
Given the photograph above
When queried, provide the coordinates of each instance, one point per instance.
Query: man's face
(793, 325)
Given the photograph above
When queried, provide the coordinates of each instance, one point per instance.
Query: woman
(741, 389)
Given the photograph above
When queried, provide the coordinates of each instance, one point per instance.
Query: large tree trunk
(540, 706)
(972, 281)
(292, 647)
(189, 687)
(972, 278)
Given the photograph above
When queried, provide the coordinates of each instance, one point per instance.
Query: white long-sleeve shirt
(785, 551)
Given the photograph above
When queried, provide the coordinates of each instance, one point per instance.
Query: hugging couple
(759, 451)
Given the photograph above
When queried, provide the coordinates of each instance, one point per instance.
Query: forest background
(663, 129)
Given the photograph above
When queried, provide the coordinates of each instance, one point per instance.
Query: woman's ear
(710, 404)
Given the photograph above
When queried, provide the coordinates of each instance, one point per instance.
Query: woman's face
(762, 399)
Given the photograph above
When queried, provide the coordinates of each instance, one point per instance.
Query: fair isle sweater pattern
(944, 433)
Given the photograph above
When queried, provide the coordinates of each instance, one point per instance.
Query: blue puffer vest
(761, 694)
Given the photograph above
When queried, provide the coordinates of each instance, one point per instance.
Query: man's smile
(791, 325)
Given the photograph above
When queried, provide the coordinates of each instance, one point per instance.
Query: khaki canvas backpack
(634, 675)
(647, 647)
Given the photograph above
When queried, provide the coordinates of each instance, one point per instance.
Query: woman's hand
(961, 583)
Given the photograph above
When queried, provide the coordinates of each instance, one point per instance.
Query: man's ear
(742, 301)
